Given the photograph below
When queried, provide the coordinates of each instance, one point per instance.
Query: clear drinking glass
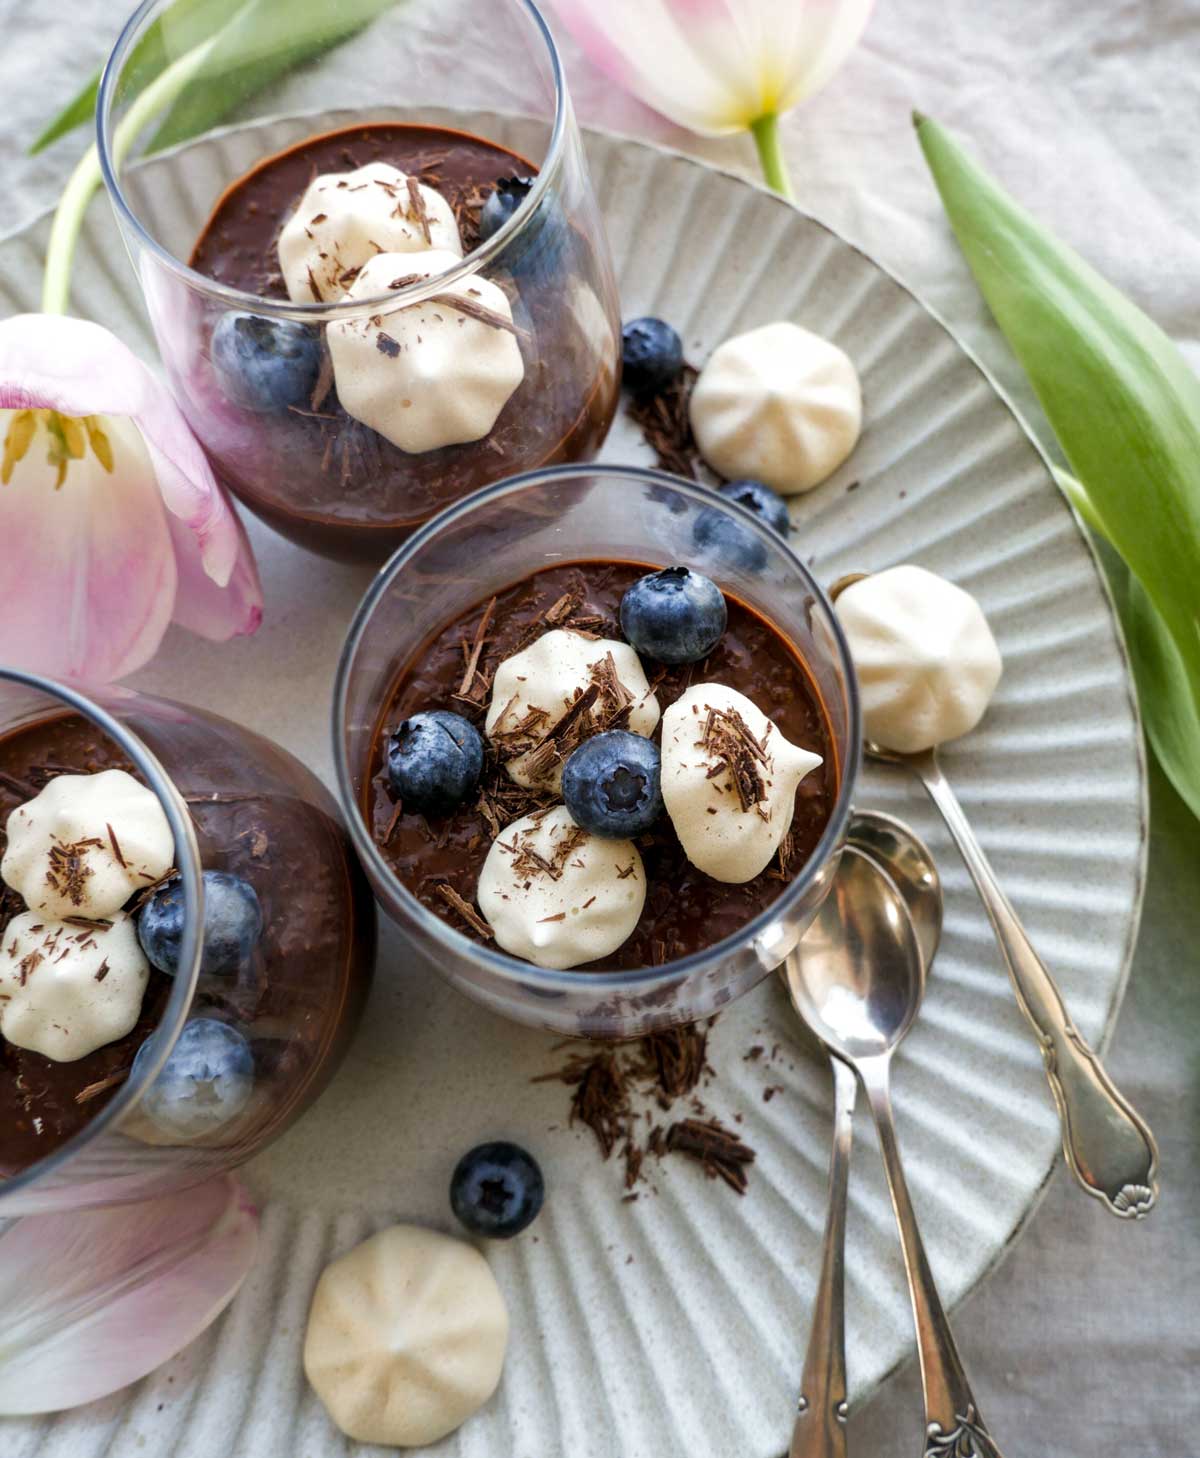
(488, 542)
(309, 470)
(237, 803)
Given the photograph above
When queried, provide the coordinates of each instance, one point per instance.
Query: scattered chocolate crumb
(663, 421)
(385, 344)
(721, 1154)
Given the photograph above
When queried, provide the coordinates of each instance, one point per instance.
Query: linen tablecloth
(1086, 1341)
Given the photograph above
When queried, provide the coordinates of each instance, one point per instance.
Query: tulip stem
(770, 154)
(83, 182)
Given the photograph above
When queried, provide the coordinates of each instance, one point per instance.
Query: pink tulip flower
(720, 66)
(111, 523)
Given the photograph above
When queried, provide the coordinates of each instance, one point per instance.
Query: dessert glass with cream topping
(186, 940)
(367, 312)
(504, 616)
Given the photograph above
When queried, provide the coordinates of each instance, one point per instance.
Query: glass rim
(515, 969)
(188, 866)
(326, 312)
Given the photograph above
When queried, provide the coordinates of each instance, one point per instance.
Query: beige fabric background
(1087, 1340)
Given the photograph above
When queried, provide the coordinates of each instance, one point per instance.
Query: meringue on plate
(779, 405)
(926, 659)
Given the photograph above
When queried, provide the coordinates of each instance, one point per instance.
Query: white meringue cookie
(61, 854)
(927, 662)
(548, 676)
(580, 911)
(720, 834)
(779, 405)
(406, 1337)
(67, 990)
(427, 375)
(346, 218)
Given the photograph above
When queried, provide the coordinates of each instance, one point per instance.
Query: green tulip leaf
(262, 42)
(186, 24)
(255, 42)
(1125, 408)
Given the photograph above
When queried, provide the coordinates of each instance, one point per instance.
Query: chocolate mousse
(327, 460)
(287, 1008)
(502, 650)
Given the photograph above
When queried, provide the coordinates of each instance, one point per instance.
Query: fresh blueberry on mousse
(727, 539)
(265, 365)
(674, 615)
(539, 248)
(652, 354)
(434, 760)
(611, 784)
(206, 1081)
(497, 1190)
(233, 923)
(501, 204)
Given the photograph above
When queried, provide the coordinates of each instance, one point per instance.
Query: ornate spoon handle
(1109, 1147)
(953, 1425)
(820, 1430)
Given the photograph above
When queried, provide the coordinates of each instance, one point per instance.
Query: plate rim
(30, 225)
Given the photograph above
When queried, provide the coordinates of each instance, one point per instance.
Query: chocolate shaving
(116, 849)
(727, 737)
(417, 211)
(468, 913)
(721, 1154)
(102, 1085)
(313, 287)
(477, 643)
(663, 421)
(385, 344)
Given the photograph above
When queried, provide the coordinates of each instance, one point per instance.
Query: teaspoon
(859, 984)
(820, 1427)
(1109, 1147)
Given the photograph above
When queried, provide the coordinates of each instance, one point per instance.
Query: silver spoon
(820, 1427)
(859, 985)
(1108, 1145)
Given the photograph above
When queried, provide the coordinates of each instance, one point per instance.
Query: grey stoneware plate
(674, 1326)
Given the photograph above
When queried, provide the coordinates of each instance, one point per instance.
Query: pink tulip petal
(204, 608)
(79, 368)
(715, 66)
(88, 568)
(91, 1301)
(95, 588)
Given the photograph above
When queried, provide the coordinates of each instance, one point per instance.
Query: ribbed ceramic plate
(674, 1327)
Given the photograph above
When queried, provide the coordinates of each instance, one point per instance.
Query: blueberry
(434, 761)
(652, 354)
(611, 784)
(497, 1190)
(729, 540)
(510, 193)
(233, 923)
(675, 616)
(265, 365)
(536, 254)
(205, 1082)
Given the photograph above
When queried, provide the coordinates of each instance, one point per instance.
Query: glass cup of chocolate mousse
(596, 734)
(186, 941)
(385, 299)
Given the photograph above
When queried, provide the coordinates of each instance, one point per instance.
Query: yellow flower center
(68, 439)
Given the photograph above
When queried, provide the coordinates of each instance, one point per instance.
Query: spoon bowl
(860, 976)
(901, 854)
